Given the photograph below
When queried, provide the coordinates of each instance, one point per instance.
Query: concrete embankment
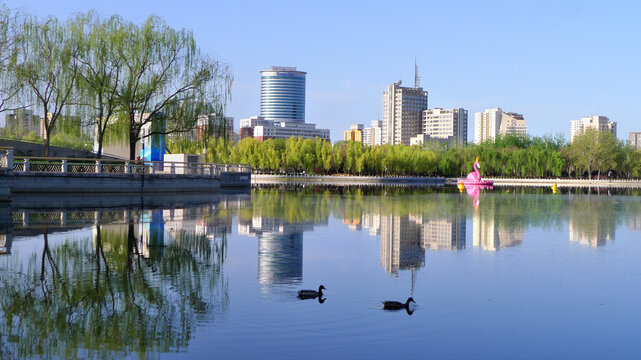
(65, 183)
(344, 180)
(260, 179)
(559, 182)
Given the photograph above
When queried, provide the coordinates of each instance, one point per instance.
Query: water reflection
(279, 219)
(73, 279)
(136, 281)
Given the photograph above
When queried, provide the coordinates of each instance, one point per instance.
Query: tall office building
(492, 122)
(635, 140)
(446, 124)
(282, 108)
(402, 112)
(597, 122)
(282, 94)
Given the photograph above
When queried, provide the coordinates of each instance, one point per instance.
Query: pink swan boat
(474, 178)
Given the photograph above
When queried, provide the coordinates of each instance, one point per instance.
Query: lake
(514, 273)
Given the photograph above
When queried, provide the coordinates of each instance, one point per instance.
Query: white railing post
(172, 171)
(98, 167)
(127, 167)
(64, 166)
(10, 159)
(153, 167)
(27, 165)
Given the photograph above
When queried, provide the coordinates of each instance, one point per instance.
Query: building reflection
(489, 235)
(592, 221)
(404, 239)
(401, 245)
(634, 223)
(445, 234)
(280, 248)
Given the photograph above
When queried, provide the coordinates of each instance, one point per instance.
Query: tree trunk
(132, 146)
(100, 139)
(47, 144)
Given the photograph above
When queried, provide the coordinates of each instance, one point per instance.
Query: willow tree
(10, 37)
(47, 66)
(101, 70)
(167, 78)
(595, 150)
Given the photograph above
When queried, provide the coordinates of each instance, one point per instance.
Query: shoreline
(347, 180)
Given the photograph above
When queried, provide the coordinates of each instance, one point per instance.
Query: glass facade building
(282, 94)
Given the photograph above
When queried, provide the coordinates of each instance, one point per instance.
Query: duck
(311, 294)
(395, 305)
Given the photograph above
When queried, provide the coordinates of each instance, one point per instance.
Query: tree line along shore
(592, 154)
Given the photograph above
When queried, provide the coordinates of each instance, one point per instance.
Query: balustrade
(107, 166)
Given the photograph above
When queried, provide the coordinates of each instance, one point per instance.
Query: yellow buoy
(554, 188)
(461, 187)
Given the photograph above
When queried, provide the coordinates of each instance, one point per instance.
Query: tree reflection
(82, 299)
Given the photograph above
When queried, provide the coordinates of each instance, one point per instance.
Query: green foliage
(509, 156)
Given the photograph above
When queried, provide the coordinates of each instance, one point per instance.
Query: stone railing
(42, 165)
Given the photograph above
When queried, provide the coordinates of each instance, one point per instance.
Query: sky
(552, 61)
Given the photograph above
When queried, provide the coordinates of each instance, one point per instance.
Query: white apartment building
(402, 109)
(492, 122)
(23, 121)
(283, 130)
(600, 123)
(373, 135)
(446, 123)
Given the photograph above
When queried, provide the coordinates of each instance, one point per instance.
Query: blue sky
(553, 61)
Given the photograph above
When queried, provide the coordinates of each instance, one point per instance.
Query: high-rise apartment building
(635, 140)
(446, 123)
(492, 122)
(402, 113)
(282, 94)
(373, 135)
(597, 122)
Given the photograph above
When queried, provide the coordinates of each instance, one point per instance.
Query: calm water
(521, 275)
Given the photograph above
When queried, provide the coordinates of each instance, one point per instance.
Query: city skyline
(557, 75)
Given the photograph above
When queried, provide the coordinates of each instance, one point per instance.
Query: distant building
(445, 124)
(513, 123)
(492, 122)
(247, 125)
(23, 121)
(635, 140)
(402, 109)
(282, 130)
(215, 126)
(373, 135)
(355, 133)
(421, 139)
(597, 122)
(282, 108)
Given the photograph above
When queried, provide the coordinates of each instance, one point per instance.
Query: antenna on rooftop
(417, 79)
